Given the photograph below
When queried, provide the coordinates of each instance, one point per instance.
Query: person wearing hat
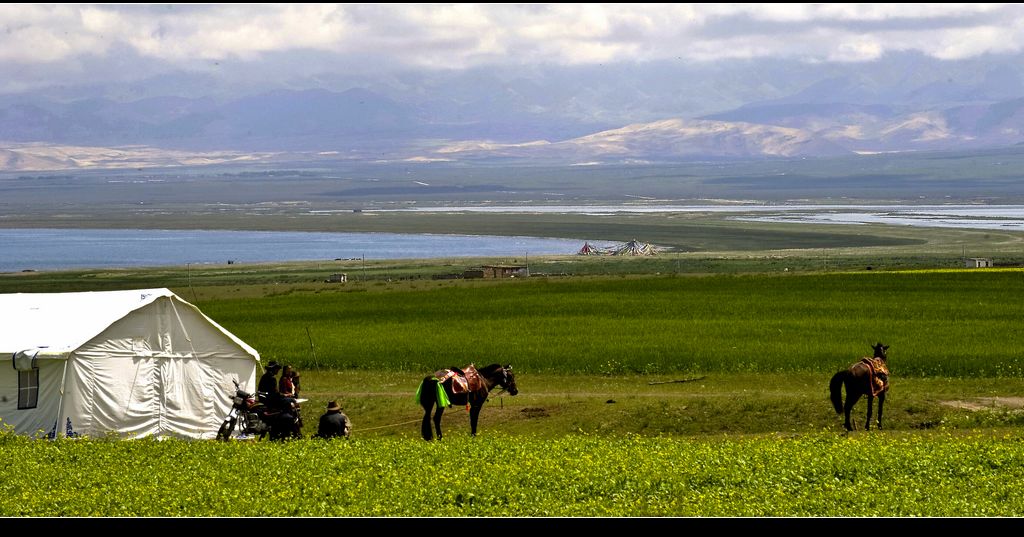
(268, 382)
(268, 385)
(334, 423)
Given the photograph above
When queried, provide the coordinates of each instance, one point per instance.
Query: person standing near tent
(334, 423)
(268, 382)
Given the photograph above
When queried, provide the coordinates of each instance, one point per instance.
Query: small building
(505, 271)
(979, 262)
(339, 277)
(473, 273)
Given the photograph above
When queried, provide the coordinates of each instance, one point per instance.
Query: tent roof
(62, 322)
(635, 247)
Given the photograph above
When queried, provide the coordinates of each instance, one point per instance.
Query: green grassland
(939, 323)
(586, 350)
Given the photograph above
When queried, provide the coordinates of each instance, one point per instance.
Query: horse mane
(487, 370)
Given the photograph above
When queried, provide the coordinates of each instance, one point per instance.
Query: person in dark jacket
(334, 423)
(269, 385)
(268, 382)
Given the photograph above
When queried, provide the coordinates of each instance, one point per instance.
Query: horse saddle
(878, 374)
(463, 380)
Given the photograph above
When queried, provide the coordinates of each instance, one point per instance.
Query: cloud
(459, 36)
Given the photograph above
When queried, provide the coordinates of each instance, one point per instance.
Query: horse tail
(835, 387)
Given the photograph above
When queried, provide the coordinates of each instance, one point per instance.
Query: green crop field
(939, 323)
(579, 475)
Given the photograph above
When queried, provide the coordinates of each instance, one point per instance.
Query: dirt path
(987, 403)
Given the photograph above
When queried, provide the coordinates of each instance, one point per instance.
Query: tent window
(28, 388)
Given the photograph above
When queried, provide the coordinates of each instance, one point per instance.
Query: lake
(1004, 217)
(62, 249)
(52, 249)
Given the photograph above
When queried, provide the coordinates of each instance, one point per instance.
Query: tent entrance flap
(25, 360)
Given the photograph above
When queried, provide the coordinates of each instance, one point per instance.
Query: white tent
(635, 247)
(589, 250)
(130, 363)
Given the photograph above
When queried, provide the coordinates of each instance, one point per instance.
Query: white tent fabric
(635, 247)
(130, 363)
(587, 249)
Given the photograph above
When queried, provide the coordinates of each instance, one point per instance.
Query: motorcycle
(254, 418)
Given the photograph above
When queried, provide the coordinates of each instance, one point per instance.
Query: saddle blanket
(878, 374)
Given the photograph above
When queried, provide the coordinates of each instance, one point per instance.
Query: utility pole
(188, 271)
(316, 363)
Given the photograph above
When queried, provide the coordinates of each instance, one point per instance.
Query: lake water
(50, 249)
(1005, 217)
(60, 249)
(957, 216)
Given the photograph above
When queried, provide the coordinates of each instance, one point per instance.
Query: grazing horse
(468, 387)
(870, 377)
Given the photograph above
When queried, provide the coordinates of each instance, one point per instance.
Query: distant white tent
(587, 249)
(635, 247)
(131, 363)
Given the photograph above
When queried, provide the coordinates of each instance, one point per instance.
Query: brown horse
(870, 377)
(461, 391)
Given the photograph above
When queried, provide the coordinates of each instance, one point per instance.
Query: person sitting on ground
(334, 423)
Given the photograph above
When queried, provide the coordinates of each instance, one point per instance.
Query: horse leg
(851, 399)
(425, 429)
(437, 421)
(881, 401)
(867, 424)
(474, 415)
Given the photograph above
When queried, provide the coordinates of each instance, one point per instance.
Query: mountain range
(902, 104)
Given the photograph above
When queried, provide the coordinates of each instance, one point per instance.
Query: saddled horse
(461, 387)
(870, 377)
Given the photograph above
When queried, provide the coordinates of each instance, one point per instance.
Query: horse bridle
(503, 385)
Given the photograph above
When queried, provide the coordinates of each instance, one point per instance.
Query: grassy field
(939, 323)
(814, 475)
(586, 349)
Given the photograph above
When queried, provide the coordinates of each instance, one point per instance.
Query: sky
(44, 45)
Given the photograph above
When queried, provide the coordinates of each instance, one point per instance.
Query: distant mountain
(279, 120)
(779, 130)
(46, 157)
(895, 128)
(671, 139)
(655, 111)
(12, 160)
(812, 116)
